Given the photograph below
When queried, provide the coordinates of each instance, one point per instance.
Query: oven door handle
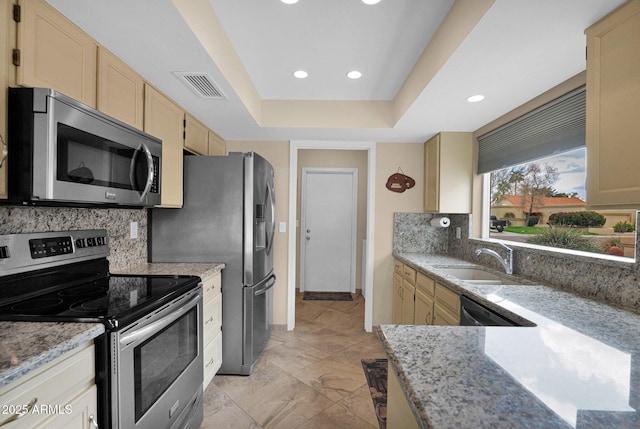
(160, 324)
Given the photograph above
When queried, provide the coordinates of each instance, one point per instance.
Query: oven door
(157, 371)
(92, 158)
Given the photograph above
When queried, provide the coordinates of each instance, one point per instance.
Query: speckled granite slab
(576, 365)
(25, 346)
(202, 270)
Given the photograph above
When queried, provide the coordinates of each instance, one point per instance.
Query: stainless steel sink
(479, 276)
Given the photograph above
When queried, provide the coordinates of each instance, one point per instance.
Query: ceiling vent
(202, 84)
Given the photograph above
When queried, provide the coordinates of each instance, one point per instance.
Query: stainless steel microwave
(62, 152)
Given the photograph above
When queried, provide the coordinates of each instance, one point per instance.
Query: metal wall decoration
(400, 182)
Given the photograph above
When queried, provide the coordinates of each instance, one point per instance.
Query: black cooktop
(66, 295)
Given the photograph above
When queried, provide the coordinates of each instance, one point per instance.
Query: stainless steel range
(149, 361)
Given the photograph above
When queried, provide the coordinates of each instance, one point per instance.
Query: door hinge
(17, 12)
(15, 57)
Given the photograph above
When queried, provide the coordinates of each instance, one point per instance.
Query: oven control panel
(43, 247)
(30, 251)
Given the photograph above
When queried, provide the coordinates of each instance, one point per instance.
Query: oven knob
(80, 243)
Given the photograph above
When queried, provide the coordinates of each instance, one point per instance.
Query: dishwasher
(473, 313)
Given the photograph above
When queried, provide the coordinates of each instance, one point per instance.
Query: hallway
(307, 378)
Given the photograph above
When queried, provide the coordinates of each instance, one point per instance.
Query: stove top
(84, 291)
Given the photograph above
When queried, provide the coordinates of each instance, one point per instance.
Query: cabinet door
(120, 89)
(443, 317)
(423, 309)
(6, 27)
(396, 313)
(408, 302)
(217, 145)
(165, 119)
(54, 53)
(432, 175)
(196, 136)
(399, 413)
(613, 107)
(83, 415)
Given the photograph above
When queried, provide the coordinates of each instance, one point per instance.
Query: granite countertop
(200, 269)
(576, 363)
(24, 346)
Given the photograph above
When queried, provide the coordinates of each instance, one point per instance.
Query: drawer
(212, 318)
(448, 299)
(54, 383)
(211, 287)
(409, 274)
(397, 266)
(427, 284)
(212, 358)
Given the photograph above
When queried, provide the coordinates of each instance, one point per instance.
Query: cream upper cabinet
(120, 89)
(196, 137)
(613, 109)
(217, 145)
(55, 53)
(165, 119)
(7, 30)
(448, 173)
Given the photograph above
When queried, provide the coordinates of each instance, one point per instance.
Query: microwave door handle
(132, 170)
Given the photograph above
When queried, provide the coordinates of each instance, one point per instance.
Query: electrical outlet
(458, 232)
(133, 230)
(283, 227)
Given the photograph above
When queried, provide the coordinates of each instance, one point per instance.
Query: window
(536, 166)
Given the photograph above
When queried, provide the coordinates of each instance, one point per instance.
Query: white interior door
(328, 229)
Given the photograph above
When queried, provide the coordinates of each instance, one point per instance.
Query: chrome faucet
(507, 261)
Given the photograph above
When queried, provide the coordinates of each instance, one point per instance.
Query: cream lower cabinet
(446, 307)
(165, 120)
(425, 289)
(399, 413)
(60, 394)
(212, 327)
(396, 312)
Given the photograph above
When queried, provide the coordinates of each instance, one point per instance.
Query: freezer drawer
(258, 313)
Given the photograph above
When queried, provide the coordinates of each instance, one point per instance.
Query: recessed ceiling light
(300, 74)
(354, 74)
(289, 1)
(475, 98)
(370, 1)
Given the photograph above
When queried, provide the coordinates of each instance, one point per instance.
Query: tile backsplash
(125, 252)
(613, 282)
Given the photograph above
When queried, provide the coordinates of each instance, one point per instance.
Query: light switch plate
(133, 230)
(283, 227)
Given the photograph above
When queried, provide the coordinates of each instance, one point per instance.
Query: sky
(572, 168)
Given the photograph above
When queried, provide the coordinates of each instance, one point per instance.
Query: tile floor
(310, 377)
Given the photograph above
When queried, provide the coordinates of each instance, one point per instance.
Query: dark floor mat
(376, 372)
(327, 296)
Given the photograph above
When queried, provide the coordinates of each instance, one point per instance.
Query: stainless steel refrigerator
(228, 216)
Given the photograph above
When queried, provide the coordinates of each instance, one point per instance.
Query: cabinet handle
(209, 363)
(23, 412)
(209, 320)
(5, 152)
(92, 421)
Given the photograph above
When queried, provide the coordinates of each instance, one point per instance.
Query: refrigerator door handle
(268, 285)
(270, 196)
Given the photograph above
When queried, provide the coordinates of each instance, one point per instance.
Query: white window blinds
(556, 127)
